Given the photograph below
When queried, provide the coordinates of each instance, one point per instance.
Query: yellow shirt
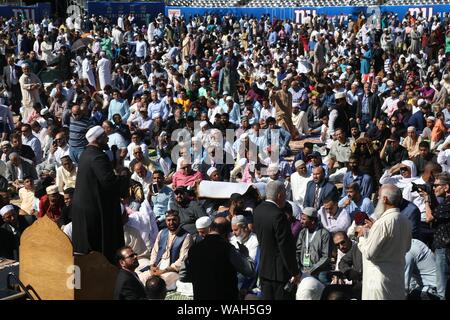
(186, 103)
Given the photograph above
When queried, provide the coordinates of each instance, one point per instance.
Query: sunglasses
(130, 256)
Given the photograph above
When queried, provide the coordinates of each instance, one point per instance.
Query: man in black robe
(96, 215)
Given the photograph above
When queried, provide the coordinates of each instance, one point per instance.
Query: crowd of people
(338, 127)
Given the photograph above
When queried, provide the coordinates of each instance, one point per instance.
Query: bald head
(140, 169)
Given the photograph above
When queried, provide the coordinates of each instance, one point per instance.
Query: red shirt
(54, 213)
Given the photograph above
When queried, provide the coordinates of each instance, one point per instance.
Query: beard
(379, 210)
(104, 146)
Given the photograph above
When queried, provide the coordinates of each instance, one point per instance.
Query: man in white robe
(383, 246)
(299, 181)
(104, 70)
(86, 70)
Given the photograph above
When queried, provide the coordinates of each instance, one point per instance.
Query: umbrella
(81, 43)
(304, 66)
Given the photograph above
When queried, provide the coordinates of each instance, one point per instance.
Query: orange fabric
(438, 131)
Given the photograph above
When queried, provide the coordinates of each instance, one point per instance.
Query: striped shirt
(77, 132)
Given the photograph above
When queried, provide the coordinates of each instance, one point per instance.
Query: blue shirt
(235, 114)
(155, 107)
(365, 104)
(420, 265)
(363, 205)
(272, 37)
(160, 202)
(284, 137)
(363, 180)
(328, 101)
(119, 107)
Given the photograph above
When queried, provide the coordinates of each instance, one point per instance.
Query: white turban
(211, 170)
(94, 133)
(203, 222)
(6, 209)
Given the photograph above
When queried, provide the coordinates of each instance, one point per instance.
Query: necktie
(13, 76)
(316, 197)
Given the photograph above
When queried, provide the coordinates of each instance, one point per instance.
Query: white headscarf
(412, 167)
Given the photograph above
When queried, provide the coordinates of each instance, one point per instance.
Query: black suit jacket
(126, 84)
(278, 260)
(374, 106)
(128, 287)
(327, 189)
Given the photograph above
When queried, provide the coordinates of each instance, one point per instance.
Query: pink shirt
(181, 180)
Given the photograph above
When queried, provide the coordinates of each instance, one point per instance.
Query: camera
(421, 187)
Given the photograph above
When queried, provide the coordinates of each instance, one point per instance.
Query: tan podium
(48, 266)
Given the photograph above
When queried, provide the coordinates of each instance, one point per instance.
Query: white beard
(379, 210)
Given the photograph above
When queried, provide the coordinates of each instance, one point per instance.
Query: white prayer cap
(203, 124)
(229, 98)
(431, 118)
(273, 168)
(339, 95)
(163, 134)
(211, 171)
(298, 163)
(390, 83)
(244, 136)
(169, 86)
(6, 209)
(93, 133)
(51, 190)
(310, 212)
(202, 79)
(203, 222)
(239, 219)
(420, 102)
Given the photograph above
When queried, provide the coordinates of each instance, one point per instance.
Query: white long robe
(104, 72)
(298, 185)
(144, 221)
(47, 55)
(383, 253)
(87, 72)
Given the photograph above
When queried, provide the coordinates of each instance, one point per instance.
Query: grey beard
(379, 209)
